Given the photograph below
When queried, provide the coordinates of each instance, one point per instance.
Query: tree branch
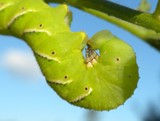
(141, 24)
(112, 9)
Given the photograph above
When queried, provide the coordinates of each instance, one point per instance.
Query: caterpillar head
(100, 81)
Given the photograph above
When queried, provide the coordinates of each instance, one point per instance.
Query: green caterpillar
(99, 81)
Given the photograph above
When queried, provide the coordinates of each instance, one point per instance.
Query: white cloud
(21, 63)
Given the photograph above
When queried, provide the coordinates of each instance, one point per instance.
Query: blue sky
(25, 95)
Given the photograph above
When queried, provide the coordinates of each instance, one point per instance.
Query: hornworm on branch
(100, 81)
